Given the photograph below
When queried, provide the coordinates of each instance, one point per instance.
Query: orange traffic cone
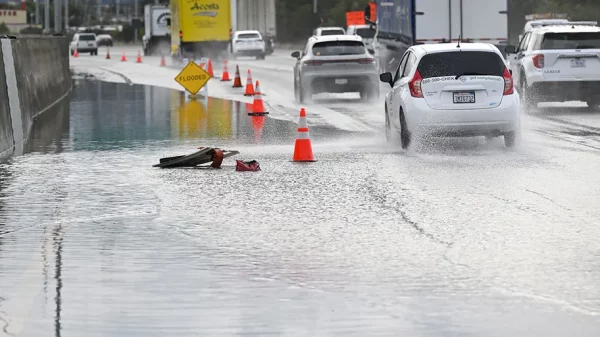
(107, 53)
(225, 76)
(237, 81)
(209, 69)
(303, 147)
(75, 53)
(123, 57)
(249, 86)
(162, 61)
(258, 108)
(139, 58)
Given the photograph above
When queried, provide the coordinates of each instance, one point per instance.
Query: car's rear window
(579, 40)
(332, 32)
(365, 33)
(330, 48)
(249, 36)
(87, 38)
(461, 62)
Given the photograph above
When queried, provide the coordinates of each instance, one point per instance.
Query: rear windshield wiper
(467, 73)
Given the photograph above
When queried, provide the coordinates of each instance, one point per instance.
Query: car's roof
(247, 32)
(86, 33)
(567, 28)
(431, 48)
(326, 38)
(330, 28)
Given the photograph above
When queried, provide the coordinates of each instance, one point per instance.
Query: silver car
(335, 64)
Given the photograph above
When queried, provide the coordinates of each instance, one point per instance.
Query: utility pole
(37, 12)
(315, 6)
(57, 16)
(66, 15)
(47, 16)
(135, 16)
(118, 3)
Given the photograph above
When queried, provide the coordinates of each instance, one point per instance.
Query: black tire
(527, 102)
(593, 104)
(391, 135)
(510, 139)
(301, 93)
(260, 57)
(72, 52)
(405, 135)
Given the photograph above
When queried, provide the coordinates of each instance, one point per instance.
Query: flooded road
(462, 238)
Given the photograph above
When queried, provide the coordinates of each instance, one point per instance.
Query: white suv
(558, 62)
(84, 43)
(248, 43)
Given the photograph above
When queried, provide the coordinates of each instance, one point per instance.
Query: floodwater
(467, 239)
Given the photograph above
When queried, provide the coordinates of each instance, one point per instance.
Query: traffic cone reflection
(209, 69)
(139, 58)
(107, 53)
(303, 147)
(75, 53)
(225, 76)
(258, 108)
(163, 63)
(258, 122)
(123, 57)
(237, 81)
(249, 86)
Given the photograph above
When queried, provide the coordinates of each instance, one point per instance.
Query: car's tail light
(313, 63)
(538, 60)
(415, 85)
(366, 61)
(509, 88)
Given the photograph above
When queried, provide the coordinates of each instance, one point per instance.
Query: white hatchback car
(445, 89)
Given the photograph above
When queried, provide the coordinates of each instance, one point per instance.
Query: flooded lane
(461, 239)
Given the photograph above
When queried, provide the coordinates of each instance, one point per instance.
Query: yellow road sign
(192, 78)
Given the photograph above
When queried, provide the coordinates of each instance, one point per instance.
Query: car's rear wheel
(527, 102)
(593, 104)
(391, 135)
(405, 135)
(301, 93)
(510, 139)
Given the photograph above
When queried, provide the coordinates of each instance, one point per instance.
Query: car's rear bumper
(475, 122)
(573, 90)
(86, 49)
(248, 52)
(340, 83)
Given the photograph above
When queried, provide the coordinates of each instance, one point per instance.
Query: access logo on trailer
(211, 9)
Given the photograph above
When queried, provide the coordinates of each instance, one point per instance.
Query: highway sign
(192, 78)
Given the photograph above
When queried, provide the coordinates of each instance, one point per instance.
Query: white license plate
(341, 81)
(464, 97)
(577, 63)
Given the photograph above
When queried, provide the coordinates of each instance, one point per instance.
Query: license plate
(577, 63)
(464, 97)
(341, 81)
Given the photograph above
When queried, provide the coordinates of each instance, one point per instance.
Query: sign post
(193, 78)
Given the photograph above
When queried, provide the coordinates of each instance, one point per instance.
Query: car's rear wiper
(467, 73)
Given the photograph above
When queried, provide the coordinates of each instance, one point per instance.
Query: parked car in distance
(104, 40)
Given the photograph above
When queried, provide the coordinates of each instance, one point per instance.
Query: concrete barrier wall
(34, 76)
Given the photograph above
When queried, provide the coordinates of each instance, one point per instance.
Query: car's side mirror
(296, 54)
(371, 51)
(510, 49)
(386, 78)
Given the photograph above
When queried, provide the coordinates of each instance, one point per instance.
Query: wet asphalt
(459, 238)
